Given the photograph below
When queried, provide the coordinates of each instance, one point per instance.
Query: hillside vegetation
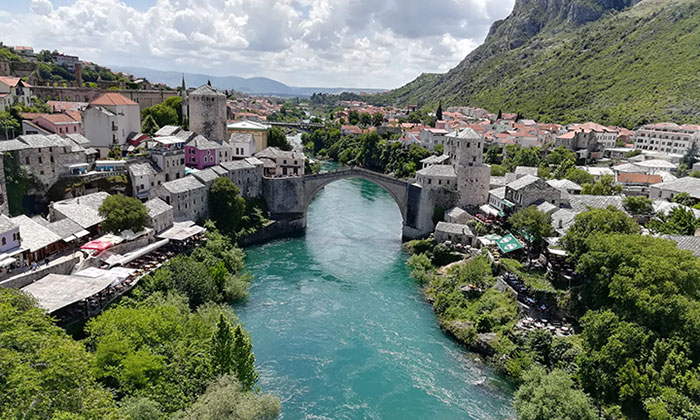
(611, 61)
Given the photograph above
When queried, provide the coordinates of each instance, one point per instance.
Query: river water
(340, 331)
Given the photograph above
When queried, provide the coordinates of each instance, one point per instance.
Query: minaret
(183, 95)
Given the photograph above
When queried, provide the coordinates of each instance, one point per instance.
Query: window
(4, 240)
(26, 160)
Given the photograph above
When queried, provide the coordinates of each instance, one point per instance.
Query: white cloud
(41, 7)
(350, 43)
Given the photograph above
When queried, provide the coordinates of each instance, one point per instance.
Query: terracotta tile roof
(638, 178)
(112, 99)
(13, 81)
(58, 118)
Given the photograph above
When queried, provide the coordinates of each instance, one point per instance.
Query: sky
(318, 43)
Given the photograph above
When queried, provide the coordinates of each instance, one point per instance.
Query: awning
(7, 261)
(488, 209)
(508, 203)
(138, 253)
(97, 245)
(509, 243)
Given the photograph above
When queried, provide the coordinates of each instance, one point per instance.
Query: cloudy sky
(320, 43)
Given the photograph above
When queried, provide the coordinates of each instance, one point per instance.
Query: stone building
(207, 113)
(144, 179)
(247, 174)
(48, 157)
(530, 190)
(283, 163)
(160, 214)
(465, 149)
(171, 162)
(188, 197)
(437, 176)
(455, 233)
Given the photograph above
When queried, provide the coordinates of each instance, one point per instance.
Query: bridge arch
(397, 189)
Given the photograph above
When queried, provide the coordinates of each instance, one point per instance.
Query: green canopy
(508, 244)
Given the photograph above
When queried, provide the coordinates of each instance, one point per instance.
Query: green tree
(595, 221)
(226, 399)
(175, 102)
(222, 348)
(377, 119)
(638, 205)
(691, 156)
(162, 114)
(45, 373)
(353, 117)
(438, 113)
(243, 359)
(605, 186)
(365, 119)
(498, 170)
(684, 199)
(559, 155)
(534, 226)
(578, 176)
(547, 396)
(9, 125)
(493, 155)
(414, 118)
(226, 206)
(678, 221)
(149, 125)
(277, 138)
(122, 213)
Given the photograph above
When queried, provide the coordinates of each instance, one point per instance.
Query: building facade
(109, 120)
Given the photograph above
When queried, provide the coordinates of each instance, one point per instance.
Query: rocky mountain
(622, 62)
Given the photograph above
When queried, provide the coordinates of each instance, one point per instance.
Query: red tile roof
(112, 99)
(638, 178)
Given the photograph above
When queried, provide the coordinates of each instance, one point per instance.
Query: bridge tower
(473, 177)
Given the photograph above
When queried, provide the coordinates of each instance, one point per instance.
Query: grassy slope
(627, 68)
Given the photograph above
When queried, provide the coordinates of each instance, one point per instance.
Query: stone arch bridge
(288, 198)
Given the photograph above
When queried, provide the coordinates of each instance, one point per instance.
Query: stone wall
(144, 98)
(277, 229)
(62, 265)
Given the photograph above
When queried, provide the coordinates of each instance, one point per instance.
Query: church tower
(185, 107)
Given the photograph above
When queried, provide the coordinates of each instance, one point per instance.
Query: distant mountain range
(251, 86)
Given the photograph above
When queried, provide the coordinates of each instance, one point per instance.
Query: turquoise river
(340, 330)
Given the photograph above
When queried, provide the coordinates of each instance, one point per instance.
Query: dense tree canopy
(604, 186)
(533, 224)
(548, 396)
(122, 213)
(162, 114)
(43, 372)
(588, 223)
(277, 138)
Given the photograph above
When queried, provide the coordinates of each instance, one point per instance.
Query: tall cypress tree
(244, 359)
(438, 113)
(222, 346)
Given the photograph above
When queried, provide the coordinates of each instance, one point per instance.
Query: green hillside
(623, 68)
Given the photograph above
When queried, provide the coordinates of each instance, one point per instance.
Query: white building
(14, 90)
(666, 137)
(109, 120)
(242, 144)
(188, 197)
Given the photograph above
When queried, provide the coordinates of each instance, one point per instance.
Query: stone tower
(207, 113)
(473, 177)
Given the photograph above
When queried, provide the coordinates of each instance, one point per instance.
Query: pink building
(200, 153)
(61, 124)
